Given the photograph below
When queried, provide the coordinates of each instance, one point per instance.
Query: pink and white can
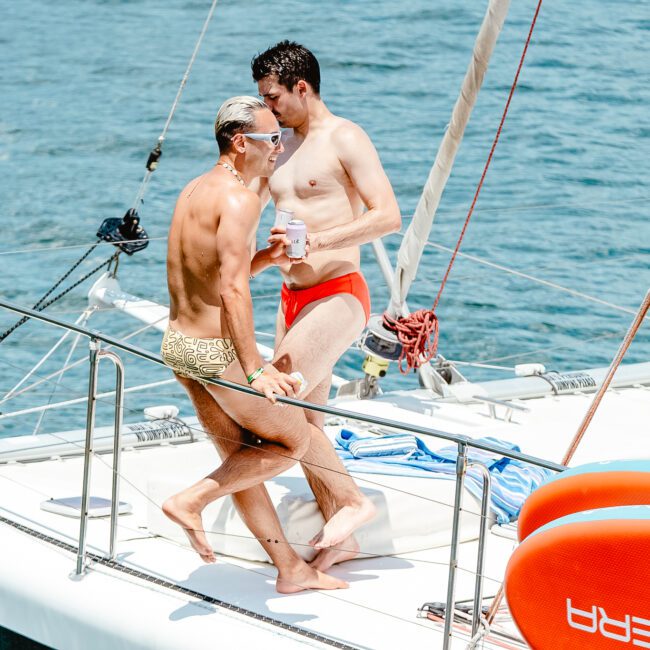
(297, 236)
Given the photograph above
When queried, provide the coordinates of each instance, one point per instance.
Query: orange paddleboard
(596, 485)
(583, 581)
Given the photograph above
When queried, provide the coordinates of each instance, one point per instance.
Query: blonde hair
(236, 115)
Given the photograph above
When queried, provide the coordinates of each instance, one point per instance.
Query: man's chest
(307, 171)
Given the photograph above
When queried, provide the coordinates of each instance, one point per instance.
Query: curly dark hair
(290, 62)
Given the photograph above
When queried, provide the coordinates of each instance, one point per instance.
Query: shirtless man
(328, 172)
(211, 334)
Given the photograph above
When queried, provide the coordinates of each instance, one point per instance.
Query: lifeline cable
(41, 305)
(414, 331)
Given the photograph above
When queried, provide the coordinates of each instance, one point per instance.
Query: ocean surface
(87, 88)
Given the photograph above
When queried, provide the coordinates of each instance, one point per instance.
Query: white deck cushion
(412, 514)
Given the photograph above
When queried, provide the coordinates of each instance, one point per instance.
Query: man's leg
(335, 495)
(314, 343)
(254, 504)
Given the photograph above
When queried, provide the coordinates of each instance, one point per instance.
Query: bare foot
(178, 510)
(326, 557)
(305, 577)
(343, 524)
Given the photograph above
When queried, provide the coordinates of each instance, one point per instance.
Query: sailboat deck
(379, 610)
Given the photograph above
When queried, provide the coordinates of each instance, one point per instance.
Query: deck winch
(381, 347)
(380, 342)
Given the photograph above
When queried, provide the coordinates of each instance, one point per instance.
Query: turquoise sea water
(87, 86)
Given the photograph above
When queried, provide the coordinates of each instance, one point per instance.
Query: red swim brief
(293, 301)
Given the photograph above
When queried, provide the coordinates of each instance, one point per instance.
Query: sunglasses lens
(275, 139)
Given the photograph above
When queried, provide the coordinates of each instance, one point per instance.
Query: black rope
(41, 304)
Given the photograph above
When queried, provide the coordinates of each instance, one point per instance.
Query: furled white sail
(418, 231)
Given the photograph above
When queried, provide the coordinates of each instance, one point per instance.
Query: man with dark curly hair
(330, 176)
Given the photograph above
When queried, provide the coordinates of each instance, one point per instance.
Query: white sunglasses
(273, 138)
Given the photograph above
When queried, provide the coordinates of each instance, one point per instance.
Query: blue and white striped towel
(403, 446)
(406, 455)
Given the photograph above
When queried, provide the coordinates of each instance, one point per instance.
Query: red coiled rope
(414, 331)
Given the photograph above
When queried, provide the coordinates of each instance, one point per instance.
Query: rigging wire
(483, 362)
(184, 548)
(544, 206)
(451, 213)
(11, 394)
(403, 556)
(80, 400)
(552, 349)
(47, 249)
(73, 347)
(42, 304)
(14, 392)
(546, 265)
(156, 152)
(169, 541)
(160, 302)
(43, 359)
(151, 165)
(532, 278)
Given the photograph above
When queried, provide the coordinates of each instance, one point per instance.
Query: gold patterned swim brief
(195, 358)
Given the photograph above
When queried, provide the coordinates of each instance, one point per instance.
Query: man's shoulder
(345, 132)
(348, 138)
(241, 200)
(344, 126)
(191, 185)
(210, 196)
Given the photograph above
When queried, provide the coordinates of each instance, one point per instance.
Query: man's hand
(277, 249)
(272, 382)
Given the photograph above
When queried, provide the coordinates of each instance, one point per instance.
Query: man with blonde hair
(211, 335)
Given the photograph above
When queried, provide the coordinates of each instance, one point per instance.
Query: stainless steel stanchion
(461, 465)
(95, 355)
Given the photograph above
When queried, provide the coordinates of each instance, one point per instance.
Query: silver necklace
(233, 171)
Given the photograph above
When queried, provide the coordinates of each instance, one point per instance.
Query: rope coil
(414, 333)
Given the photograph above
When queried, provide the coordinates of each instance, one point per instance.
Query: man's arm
(275, 253)
(263, 258)
(361, 162)
(260, 186)
(236, 229)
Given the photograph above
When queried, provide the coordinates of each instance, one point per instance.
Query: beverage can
(303, 382)
(297, 235)
(282, 218)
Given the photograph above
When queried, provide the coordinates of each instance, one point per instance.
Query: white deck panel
(378, 611)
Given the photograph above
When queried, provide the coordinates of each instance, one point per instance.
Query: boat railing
(464, 443)
(95, 356)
